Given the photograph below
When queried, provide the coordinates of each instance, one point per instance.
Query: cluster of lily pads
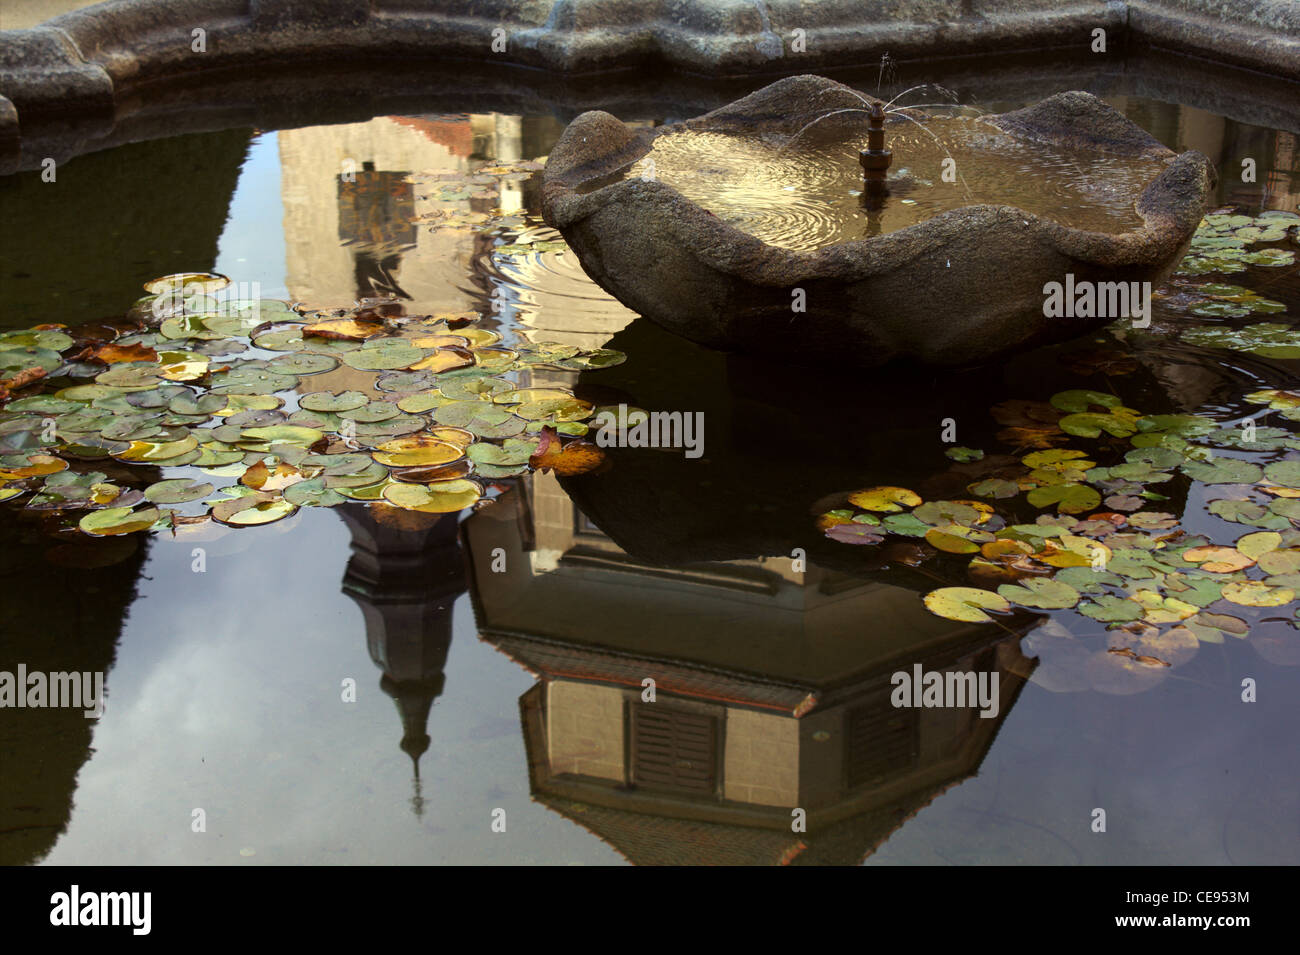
(1105, 550)
(1222, 244)
(212, 397)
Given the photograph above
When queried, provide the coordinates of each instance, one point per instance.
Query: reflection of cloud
(226, 696)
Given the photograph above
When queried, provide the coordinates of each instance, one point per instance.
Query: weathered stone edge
(80, 63)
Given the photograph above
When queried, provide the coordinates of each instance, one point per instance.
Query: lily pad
(333, 401)
(252, 509)
(1109, 609)
(479, 417)
(417, 450)
(884, 499)
(443, 497)
(1069, 498)
(383, 354)
(1254, 593)
(966, 604)
(1041, 592)
(177, 491)
(312, 493)
(112, 521)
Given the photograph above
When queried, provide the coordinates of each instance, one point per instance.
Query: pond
(368, 683)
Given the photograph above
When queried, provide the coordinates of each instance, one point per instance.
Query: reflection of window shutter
(674, 749)
(882, 741)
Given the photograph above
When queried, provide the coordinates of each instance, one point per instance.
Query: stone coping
(81, 67)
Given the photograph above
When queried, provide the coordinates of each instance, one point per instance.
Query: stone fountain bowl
(963, 287)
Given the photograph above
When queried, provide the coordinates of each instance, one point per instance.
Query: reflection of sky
(251, 247)
(1187, 774)
(226, 696)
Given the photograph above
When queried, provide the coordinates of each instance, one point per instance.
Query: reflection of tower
(405, 580)
(376, 218)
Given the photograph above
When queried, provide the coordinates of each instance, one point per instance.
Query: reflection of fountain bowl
(962, 287)
(780, 443)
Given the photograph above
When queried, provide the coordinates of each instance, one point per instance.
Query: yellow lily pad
(441, 497)
(885, 499)
(417, 450)
(1254, 593)
(966, 604)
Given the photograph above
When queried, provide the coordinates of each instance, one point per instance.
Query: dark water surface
(519, 690)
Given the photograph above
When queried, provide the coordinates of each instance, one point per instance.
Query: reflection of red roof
(554, 660)
(455, 134)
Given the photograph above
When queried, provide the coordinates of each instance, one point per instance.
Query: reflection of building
(405, 579)
(52, 627)
(359, 205)
(772, 692)
(53, 262)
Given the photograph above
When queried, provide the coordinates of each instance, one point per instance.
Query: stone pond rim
(963, 287)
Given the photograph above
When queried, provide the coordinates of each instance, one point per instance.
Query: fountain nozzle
(875, 159)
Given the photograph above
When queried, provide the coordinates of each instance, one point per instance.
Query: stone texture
(79, 60)
(961, 288)
(9, 138)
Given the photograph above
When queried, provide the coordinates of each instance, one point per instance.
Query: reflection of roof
(455, 134)
(661, 840)
(552, 659)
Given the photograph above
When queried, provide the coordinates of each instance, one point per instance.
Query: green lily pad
(313, 493)
(512, 453)
(331, 401)
(177, 491)
(251, 381)
(1249, 513)
(480, 418)
(1068, 498)
(1111, 609)
(1223, 471)
(302, 363)
(1285, 473)
(371, 412)
(1044, 593)
(383, 354)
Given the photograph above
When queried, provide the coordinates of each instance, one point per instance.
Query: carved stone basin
(964, 285)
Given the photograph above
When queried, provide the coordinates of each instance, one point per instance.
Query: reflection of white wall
(584, 729)
(320, 270)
